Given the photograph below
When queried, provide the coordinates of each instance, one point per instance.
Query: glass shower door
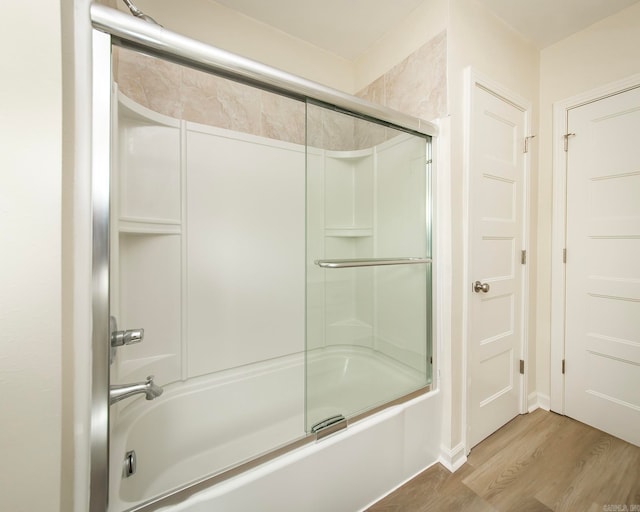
(368, 329)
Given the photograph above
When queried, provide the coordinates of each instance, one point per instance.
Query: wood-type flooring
(538, 462)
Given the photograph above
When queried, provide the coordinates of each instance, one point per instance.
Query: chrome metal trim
(157, 40)
(370, 262)
(100, 343)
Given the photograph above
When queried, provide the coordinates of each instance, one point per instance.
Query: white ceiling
(545, 22)
(348, 27)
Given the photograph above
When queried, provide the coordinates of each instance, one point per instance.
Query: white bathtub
(211, 424)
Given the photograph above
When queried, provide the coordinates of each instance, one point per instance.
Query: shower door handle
(481, 287)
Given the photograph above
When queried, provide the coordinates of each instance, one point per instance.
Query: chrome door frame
(100, 182)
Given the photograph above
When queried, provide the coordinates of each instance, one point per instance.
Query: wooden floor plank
(511, 433)
(528, 504)
(452, 494)
(506, 467)
(599, 479)
(549, 458)
(539, 462)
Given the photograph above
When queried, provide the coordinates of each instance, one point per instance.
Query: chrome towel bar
(370, 262)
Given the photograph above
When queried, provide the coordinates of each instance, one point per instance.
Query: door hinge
(564, 255)
(563, 367)
(523, 257)
(526, 143)
(566, 140)
(522, 366)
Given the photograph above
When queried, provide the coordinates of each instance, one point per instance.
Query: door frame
(473, 79)
(559, 226)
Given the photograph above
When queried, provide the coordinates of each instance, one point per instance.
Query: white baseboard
(452, 459)
(537, 400)
(544, 402)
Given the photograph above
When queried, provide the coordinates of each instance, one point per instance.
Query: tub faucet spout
(122, 391)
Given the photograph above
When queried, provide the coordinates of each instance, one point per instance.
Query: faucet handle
(128, 337)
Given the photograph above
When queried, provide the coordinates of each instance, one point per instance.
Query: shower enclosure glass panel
(211, 256)
(368, 265)
(207, 256)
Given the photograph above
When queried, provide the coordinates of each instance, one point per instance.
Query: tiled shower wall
(416, 86)
(184, 93)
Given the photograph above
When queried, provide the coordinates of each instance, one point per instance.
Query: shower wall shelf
(348, 193)
(146, 227)
(354, 154)
(147, 239)
(348, 232)
(363, 207)
(157, 224)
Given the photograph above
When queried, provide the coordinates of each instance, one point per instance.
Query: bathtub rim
(178, 496)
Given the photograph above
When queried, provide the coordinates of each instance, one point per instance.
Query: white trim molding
(559, 222)
(537, 401)
(454, 458)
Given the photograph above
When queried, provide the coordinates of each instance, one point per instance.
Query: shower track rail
(370, 262)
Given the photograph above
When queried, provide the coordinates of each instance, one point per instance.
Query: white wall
(30, 282)
(478, 39)
(425, 22)
(602, 53)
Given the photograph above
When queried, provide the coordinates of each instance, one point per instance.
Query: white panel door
(496, 205)
(602, 344)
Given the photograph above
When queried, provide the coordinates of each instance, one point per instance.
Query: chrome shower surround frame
(112, 27)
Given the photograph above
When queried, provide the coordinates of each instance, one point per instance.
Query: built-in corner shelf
(149, 227)
(348, 232)
(350, 155)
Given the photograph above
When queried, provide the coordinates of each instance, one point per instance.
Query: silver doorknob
(480, 287)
